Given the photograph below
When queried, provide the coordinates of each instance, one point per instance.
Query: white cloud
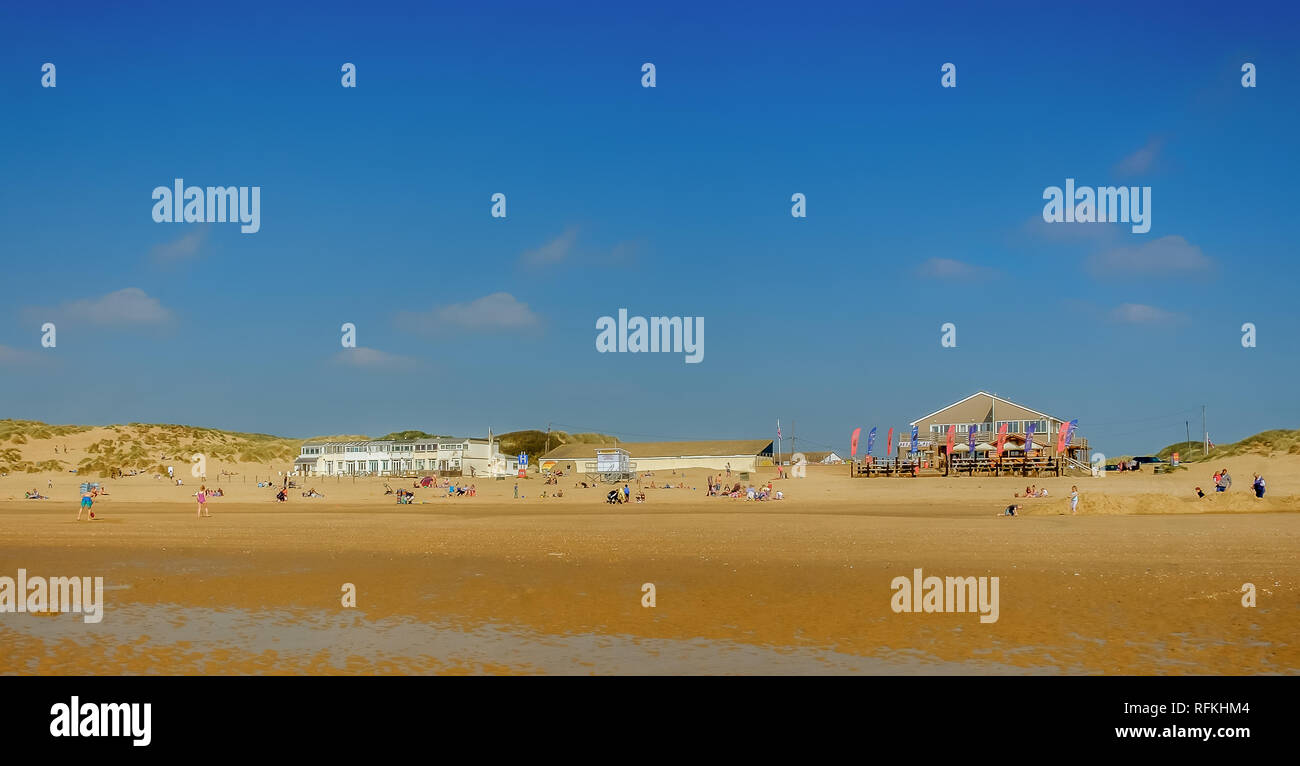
(371, 358)
(17, 357)
(1168, 255)
(186, 247)
(129, 305)
(554, 251)
(1141, 160)
(498, 311)
(1036, 228)
(949, 269)
(1140, 313)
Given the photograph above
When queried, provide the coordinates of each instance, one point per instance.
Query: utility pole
(1188, 425)
(1205, 444)
(792, 450)
(548, 437)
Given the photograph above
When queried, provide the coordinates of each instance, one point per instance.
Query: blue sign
(913, 438)
(523, 458)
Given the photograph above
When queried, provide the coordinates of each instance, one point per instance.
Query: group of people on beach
(1223, 482)
(762, 492)
(1033, 491)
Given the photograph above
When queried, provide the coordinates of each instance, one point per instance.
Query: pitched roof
(723, 448)
(992, 398)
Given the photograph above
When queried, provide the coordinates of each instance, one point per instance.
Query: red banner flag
(951, 430)
(1002, 438)
(1060, 438)
(889, 444)
(853, 443)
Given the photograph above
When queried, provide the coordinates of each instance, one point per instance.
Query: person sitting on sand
(1258, 486)
(1010, 511)
(1042, 492)
(1199, 493)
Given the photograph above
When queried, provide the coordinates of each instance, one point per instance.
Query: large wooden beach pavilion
(982, 415)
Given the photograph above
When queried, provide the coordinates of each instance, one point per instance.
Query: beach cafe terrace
(978, 419)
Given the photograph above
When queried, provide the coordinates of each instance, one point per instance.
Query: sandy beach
(1146, 579)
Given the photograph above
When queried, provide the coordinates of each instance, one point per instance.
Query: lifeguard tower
(612, 465)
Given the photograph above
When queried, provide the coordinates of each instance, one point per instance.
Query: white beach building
(391, 457)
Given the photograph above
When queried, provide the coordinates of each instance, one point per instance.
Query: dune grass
(1275, 442)
(150, 447)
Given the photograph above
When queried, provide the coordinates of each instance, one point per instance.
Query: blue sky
(924, 207)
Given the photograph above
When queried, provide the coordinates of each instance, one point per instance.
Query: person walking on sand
(86, 503)
(1074, 499)
(1258, 486)
(1224, 483)
(202, 497)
